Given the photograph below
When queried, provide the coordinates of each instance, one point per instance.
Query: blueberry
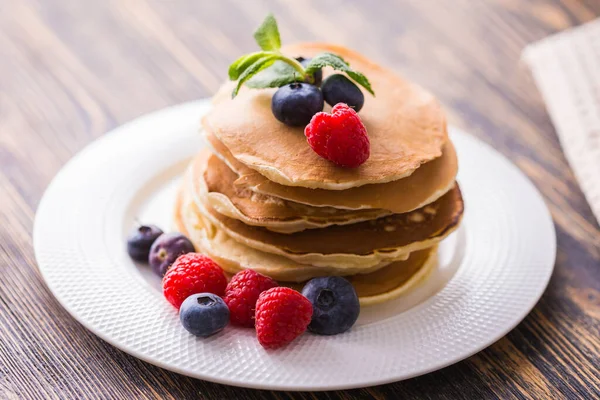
(339, 89)
(204, 314)
(295, 104)
(318, 75)
(166, 249)
(140, 240)
(335, 305)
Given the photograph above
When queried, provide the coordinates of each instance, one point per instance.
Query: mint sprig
(242, 63)
(270, 68)
(277, 75)
(267, 34)
(260, 64)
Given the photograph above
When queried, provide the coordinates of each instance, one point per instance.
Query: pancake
(405, 123)
(214, 180)
(392, 281)
(428, 183)
(233, 256)
(374, 286)
(362, 244)
(389, 282)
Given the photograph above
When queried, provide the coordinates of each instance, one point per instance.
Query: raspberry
(339, 137)
(282, 314)
(190, 274)
(241, 295)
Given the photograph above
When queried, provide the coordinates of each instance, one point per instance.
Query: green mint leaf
(267, 34)
(240, 65)
(256, 67)
(277, 75)
(361, 80)
(322, 60)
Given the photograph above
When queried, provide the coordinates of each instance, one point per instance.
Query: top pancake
(427, 184)
(405, 124)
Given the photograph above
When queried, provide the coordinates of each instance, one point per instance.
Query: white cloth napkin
(566, 68)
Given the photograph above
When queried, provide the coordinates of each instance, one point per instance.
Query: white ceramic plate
(491, 273)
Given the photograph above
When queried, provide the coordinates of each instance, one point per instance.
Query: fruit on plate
(140, 240)
(242, 293)
(204, 314)
(295, 103)
(338, 88)
(165, 250)
(339, 137)
(282, 314)
(335, 305)
(192, 273)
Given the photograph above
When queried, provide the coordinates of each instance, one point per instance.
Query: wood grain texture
(72, 70)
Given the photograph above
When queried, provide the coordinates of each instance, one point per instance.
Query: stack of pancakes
(261, 198)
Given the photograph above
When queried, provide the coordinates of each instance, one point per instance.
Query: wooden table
(72, 70)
